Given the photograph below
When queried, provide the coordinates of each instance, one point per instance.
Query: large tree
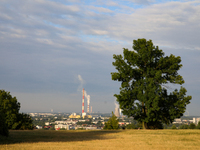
(145, 75)
(9, 106)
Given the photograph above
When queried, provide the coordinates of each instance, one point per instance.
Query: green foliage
(39, 122)
(24, 122)
(3, 127)
(52, 128)
(192, 126)
(198, 125)
(112, 123)
(80, 129)
(131, 126)
(134, 125)
(86, 122)
(10, 108)
(184, 126)
(174, 127)
(62, 129)
(144, 75)
(99, 123)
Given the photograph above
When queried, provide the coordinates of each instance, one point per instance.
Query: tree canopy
(9, 108)
(145, 74)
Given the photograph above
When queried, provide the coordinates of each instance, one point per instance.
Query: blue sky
(46, 45)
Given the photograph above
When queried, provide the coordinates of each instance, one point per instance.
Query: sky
(51, 49)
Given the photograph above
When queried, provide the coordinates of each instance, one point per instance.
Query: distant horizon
(99, 113)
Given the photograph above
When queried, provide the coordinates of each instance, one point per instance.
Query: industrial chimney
(88, 102)
(83, 102)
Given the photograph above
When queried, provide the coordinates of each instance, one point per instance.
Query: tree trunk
(143, 125)
(143, 111)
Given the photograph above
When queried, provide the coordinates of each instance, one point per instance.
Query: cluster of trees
(10, 118)
(185, 126)
(145, 75)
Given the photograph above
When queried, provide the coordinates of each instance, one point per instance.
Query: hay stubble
(113, 140)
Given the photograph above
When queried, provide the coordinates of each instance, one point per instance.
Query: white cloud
(100, 9)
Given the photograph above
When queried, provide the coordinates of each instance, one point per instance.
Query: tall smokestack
(83, 102)
(88, 102)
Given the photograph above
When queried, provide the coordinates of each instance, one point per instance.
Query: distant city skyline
(50, 49)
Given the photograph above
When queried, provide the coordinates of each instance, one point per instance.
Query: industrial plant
(87, 120)
(85, 95)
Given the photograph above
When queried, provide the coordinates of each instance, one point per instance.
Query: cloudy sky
(51, 49)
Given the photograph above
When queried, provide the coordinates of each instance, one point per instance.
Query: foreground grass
(126, 139)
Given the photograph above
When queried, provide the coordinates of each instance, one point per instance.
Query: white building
(38, 127)
(196, 120)
(66, 122)
(47, 123)
(179, 121)
(60, 126)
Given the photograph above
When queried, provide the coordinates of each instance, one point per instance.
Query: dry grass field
(94, 140)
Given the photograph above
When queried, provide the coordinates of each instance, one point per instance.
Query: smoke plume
(80, 87)
(87, 97)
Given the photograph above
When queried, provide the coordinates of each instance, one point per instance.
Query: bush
(174, 127)
(184, 126)
(192, 126)
(52, 128)
(131, 126)
(198, 125)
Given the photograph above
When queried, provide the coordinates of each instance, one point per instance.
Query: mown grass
(122, 139)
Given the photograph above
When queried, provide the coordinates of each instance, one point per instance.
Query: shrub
(131, 126)
(192, 126)
(198, 125)
(174, 127)
(184, 126)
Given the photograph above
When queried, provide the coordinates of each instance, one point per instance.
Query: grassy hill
(122, 139)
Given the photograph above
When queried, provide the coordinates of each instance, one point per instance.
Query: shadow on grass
(33, 136)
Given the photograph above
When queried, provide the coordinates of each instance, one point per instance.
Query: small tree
(112, 123)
